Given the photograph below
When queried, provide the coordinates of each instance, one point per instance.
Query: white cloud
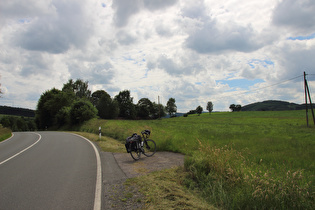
(298, 16)
(186, 49)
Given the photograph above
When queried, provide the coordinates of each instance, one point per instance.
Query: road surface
(49, 170)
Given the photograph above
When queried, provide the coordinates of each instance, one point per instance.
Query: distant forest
(6, 110)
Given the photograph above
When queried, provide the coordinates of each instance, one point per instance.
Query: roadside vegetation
(4, 133)
(238, 160)
(234, 160)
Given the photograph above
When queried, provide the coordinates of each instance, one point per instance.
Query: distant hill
(273, 105)
(7, 110)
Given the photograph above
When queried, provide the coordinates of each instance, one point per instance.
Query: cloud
(158, 4)
(56, 32)
(125, 38)
(24, 9)
(194, 10)
(295, 57)
(192, 50)
(174, 67)
(298, 16)
(215, 38)
(124, 10)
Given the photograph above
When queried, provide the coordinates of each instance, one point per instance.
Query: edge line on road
(98, 187)
(22, 150)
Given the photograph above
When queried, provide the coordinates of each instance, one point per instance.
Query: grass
(4, 133)
(106, 143)
(236, 160)
(165, 190)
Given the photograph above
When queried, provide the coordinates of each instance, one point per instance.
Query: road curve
(49, 170)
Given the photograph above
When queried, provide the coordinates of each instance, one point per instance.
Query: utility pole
(309, 97)
(159, 107)
(306, 108)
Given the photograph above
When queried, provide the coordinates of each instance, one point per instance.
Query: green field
(236, 160)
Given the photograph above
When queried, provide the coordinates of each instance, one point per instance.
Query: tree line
(18, 123)
(7, 110)
(75, 103)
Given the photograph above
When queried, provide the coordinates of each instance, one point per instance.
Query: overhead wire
(257, 89)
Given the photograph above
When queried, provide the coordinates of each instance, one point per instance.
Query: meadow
(239, 160)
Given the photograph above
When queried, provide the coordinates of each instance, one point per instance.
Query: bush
(82, 110)
(63, 116)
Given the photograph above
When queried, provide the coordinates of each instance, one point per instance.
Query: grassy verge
(165, 190)
(4, 133)
(106, 143)
(161, 190)
(236, 160)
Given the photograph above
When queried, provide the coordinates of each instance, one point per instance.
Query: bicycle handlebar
(146, 132)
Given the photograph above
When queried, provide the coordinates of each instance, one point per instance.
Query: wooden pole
(159, 107)
(306, 108)
(309, 97)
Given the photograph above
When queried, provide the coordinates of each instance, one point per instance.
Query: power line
(257, 89)
(273, 84)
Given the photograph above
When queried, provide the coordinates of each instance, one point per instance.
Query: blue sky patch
(265, 63)
(312, 36)
(240, 83)
(24, 21)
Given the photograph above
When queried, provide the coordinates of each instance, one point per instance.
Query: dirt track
(160, 160)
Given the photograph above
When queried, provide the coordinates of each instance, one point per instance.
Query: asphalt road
(49, 170)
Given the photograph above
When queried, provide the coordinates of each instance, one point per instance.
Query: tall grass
(237, 160)
(229, 180)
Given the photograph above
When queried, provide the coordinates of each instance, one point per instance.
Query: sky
(226, 52)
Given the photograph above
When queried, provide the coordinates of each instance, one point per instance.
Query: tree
(63, 116)
(192, 112)
(232, 107)
(238, 107)
(79, 88)
(97, 95)
(126, 107)
(209, 106)
(235, 108)
(199, 110)
(107, 107)
(158, 111)
(49, 104)
(145, 108)
(81, 111)
(171, 107)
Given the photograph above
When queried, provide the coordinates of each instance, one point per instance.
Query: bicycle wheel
(135, 152)
(149, 147)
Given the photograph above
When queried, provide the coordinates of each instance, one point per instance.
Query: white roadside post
(100, 133)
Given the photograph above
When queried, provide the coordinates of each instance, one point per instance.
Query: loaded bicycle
(135, 145)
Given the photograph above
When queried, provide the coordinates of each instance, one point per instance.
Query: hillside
(7, 110)
(273, 105)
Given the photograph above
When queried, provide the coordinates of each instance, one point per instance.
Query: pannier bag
(133, 141)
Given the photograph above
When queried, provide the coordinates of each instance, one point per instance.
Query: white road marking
(22, 150)
(98, 187)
